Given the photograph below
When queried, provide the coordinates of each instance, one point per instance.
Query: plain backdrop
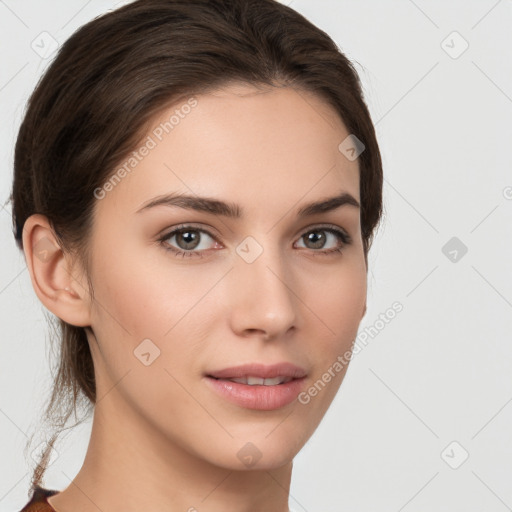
(423, 419)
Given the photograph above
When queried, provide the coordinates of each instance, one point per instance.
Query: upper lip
(284, 369)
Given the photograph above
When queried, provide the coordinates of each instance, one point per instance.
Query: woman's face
(266, 285)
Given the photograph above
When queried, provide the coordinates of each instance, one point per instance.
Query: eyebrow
(235, 211)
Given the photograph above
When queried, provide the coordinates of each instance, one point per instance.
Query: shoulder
(38, 502)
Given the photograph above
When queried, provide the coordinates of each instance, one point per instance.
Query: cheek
(146, 313)
(339, 300)
(142, 296)
(141, 292)
(338, 308)
(336, 311)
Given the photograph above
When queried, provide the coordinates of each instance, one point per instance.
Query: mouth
(257, 381)
(267, 396)
(256, 386)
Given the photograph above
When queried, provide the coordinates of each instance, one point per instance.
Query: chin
(257, 450)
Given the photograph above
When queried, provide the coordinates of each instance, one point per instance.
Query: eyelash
(344, 237)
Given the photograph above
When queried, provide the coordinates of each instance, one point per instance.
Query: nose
(264, 301)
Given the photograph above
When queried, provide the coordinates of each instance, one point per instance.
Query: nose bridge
(264, 294)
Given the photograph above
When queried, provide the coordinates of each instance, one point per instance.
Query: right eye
(187, 238)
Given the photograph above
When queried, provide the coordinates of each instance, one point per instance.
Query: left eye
(319, 242)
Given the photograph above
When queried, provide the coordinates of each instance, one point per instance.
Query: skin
(161, 439)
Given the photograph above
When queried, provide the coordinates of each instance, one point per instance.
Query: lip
(285, 369)
(259, 397)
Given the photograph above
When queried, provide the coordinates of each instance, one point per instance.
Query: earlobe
(50, 269)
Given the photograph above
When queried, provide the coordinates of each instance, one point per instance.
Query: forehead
(256, 145)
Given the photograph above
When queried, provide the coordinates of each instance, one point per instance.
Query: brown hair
(105, 85)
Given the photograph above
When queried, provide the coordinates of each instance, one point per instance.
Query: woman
(196, 188)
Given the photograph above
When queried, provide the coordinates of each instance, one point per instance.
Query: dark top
(38, 502)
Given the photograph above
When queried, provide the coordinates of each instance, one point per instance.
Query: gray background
(433, 385)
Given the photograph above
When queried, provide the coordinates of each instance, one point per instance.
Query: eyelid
(320, 226)
(167, 232)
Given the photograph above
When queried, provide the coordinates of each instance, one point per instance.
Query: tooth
(273, 382)
(259, 381)
(255, 380)
(241, 380)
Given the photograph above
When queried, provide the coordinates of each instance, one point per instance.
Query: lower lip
(264, 398)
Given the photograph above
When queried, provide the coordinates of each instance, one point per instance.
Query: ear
(52, 273)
